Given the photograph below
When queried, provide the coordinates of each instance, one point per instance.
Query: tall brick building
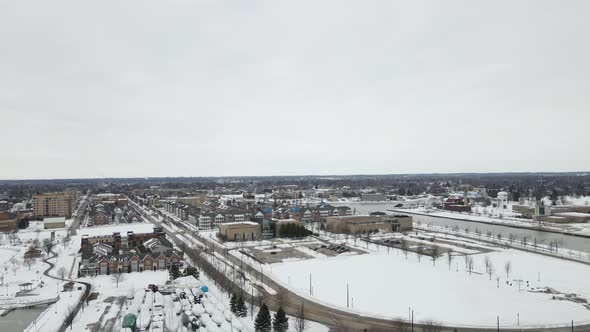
(54, 204)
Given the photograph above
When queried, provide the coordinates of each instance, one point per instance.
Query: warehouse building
(367, 224)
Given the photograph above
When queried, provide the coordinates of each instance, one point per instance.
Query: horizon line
(296, 175)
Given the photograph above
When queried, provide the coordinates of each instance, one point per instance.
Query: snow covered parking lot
(387, 285)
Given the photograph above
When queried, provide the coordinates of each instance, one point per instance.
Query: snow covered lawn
(387, 285)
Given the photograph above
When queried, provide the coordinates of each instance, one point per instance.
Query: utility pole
(347, 306)
(498, 322)
(412, 320)
(310, 292)
(252, 303)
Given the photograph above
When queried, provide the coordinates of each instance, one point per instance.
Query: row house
(319, 214)
(214, 219)
(153, 255)
(121, 241)
(93, 264)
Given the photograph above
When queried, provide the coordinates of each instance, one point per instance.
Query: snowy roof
(123, 229)
(573, 214)
(54, 220)
(241, 223)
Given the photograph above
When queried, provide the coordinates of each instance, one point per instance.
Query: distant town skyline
(150, 89)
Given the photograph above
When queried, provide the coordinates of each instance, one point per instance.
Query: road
(337, 319)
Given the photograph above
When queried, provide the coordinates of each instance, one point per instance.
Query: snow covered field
(386, 285)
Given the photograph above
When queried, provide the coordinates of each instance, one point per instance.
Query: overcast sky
(211, 88)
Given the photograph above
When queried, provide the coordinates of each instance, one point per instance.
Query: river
(568, 241)
(18, 320)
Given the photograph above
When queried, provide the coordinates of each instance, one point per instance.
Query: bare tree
(499, 236)
(404, 246)
(431, 326)
(35, 244)
(466, 258)
(401, 325)
(300, 323)
(29, 261)
(511, 238)
(508, 268)
(490, 270)
(419, 252)
(470, 263)
(435, 254)
(487, 262)
(67, 239)
(47, 246)
(450, 258)
(118, 277)
(62, 272)
(69, 315)
(13, 237)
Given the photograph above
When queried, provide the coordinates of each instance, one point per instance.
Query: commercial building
(7, 222)
(372, 197)
(456, 204)
(240, 231)
(554, 213)
(367, 224)
(54, 204)
(57, 222)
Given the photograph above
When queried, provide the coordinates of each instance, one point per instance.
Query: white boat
(220, 307)
(210, 308)
(198, 310)
(186, 305)
(206, 320)
(144, 319)
(226, 327)
(172, 320)
(236, 324)
(157, 327)
(139, 296)
(149, 299)
(218, 318)
(158, 300)
(158, 316)
(177, 308)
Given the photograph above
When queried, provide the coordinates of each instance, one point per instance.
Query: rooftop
(54, 220)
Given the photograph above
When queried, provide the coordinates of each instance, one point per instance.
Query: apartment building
(59, 204)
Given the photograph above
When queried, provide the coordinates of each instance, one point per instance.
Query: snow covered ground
(386, 284)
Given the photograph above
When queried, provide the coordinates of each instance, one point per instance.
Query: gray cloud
(191, 88)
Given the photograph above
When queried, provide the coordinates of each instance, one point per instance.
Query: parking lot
(274, 254)
(332, 250)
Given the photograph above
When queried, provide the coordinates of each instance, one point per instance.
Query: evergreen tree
(241, 308)
(174, 272)
(280, 322)
(233, 304)
(263, 320)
